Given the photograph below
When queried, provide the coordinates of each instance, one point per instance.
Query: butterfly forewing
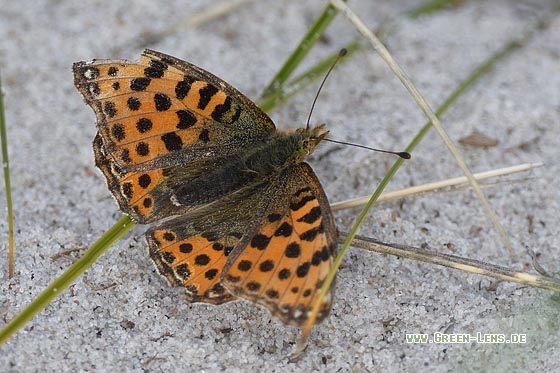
(288, 250)
(163, 111)
(139, 194)
(159, 115)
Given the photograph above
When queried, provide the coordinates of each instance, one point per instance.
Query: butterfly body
(239, 213)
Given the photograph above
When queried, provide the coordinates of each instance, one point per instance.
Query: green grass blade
(429, 7)
(7, 184)
(120, 228)
(285, 92)
(483, 68)
(308, 41)
(278, 91)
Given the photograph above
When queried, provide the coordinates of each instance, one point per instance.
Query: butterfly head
(310, 138)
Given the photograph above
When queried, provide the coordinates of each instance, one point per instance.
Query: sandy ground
(122, 316)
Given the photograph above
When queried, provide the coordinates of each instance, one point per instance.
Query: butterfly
(236, 212)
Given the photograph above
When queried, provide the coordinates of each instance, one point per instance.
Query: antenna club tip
(404, 155)
(342, 52)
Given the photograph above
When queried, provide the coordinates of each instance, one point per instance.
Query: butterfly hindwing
(191, 250)
(193, 260)
(288, 249)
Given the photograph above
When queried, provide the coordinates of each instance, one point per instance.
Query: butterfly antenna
(341, 54)
(403, 155)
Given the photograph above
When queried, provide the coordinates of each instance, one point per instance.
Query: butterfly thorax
(250, 167)
(287, 148)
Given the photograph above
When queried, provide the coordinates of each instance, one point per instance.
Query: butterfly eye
(308, 146)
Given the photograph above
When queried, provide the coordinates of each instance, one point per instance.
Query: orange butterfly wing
(192, 250)
(160, 114)
(288, 250)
